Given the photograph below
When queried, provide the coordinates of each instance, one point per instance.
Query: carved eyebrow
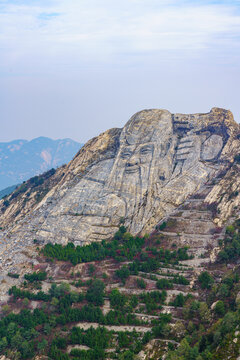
(125, 153)
(146, 148)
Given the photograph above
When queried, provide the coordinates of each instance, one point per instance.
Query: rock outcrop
(140, 173)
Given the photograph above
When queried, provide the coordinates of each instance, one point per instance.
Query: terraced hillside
(81, 279)
(152, 297)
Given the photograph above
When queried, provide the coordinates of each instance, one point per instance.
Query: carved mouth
(131, 169)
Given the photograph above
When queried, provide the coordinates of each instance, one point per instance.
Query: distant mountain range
(22, 159)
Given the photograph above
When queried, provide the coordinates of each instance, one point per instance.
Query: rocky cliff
(175, 174)
(140, 173)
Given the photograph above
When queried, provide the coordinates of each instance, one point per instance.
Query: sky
(75, 68)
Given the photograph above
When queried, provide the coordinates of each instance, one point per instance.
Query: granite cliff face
(140, 173)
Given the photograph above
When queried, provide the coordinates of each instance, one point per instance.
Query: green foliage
(153, 300)
(59, 290)
(162, 226)
(123, 246)
(95, 292)
(230, 229)
(97, 354)
(228, 323)
(162, 329)
(6, 203)
(94, 338)
(164, 284)
(223, 291)
(117, 300)
(219, 308)
(18, 293)
(205, 280)
(13, 275)
(40, 276)
(231, 243)
(180, 300)
(91, 269)
(123, 273)
(204, 312)
(141, 284)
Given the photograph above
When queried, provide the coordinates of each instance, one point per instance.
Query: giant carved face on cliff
(144, 144)
(160, 159)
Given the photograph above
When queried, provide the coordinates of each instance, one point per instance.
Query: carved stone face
(160, 160)
(144, 144)
(136, 157)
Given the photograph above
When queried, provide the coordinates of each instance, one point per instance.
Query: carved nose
(133, 161)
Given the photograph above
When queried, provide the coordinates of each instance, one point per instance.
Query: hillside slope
(140, 173)
(22, 159)
(170, 294)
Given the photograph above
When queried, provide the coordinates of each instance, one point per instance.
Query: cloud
(102, 31)
(77, 67)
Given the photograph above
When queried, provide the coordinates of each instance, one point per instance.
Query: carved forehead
(146, 126)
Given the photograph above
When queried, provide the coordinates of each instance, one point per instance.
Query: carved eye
(125, 154)
(146, 150)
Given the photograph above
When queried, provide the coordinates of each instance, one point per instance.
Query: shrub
(219, 308)
(141, 284)
(205, 280)
(40, 276)
(117, 300)
(162, 226)
(164, 284)
(123, 273)
(230, 230)
(6, 203)
(13, 275)
(95, 292)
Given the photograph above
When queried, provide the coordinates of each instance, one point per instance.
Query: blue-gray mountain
(22, 159)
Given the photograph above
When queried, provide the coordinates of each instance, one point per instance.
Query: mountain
(140, 173)
(8, 190)
(22, 159)
(155, 208)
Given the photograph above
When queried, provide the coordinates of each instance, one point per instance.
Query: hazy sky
(74, 68)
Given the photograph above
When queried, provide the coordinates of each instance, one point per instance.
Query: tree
(127, 355)
(219, 308)
(205, 280)
(117, 300)
(164, 284)
(228, 323)
(25, 302)
(3, 343)
(123, 273)
(179, 300)
(95, 292)
(223, 291)
(179, 328)
(204, 312)
(184, 349)
(141, 284)
(16, 340)
(42, 345)
(91, 269)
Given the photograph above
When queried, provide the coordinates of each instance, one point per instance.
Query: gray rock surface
(150, 167)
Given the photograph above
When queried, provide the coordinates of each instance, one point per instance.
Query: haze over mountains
(22, 159)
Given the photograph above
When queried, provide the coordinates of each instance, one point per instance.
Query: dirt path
(140, 329)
